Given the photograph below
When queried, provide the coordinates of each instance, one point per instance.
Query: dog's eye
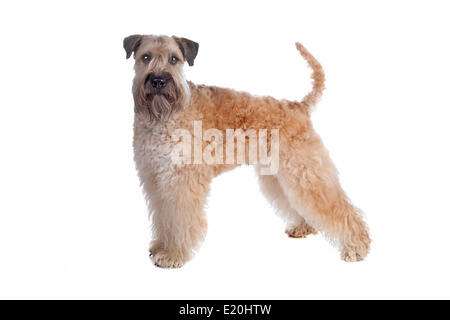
(173, 60)
(146, 58)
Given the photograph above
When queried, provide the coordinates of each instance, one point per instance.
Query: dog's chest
(153, 149)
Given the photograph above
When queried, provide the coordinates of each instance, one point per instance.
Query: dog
(304, 190)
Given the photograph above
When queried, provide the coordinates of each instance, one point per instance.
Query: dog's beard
(159, 107)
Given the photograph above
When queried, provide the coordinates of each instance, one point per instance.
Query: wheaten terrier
(179, 147)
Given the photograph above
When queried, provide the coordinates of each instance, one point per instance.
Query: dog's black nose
(158, 83)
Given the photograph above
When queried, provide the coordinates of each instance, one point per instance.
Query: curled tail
(318, 77)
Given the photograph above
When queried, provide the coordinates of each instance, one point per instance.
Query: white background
(73, 221)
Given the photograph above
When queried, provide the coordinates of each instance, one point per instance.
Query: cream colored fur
(305, 191)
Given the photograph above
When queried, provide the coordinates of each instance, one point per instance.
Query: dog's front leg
(179, 222)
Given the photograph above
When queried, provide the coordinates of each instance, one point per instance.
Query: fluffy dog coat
(305, 190)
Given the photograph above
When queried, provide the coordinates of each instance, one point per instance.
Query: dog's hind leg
(179, 222)
(296, 224)
(310, 182)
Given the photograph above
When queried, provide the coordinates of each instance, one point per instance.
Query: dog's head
(159, 86)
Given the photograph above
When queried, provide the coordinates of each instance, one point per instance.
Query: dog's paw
(351, 256)
(155, 247)
(354, 254)
(165, 260)
(357, 249)
(300, 231)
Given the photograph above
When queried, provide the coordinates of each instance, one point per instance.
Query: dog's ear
(189, 49)
(131, 43)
